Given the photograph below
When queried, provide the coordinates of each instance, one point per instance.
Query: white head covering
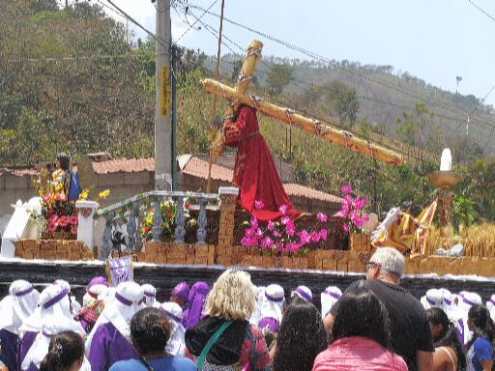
(303, 292)
(176, 345)
(432, 298)
(120, 310)
(54, 317)
(75, 305)
(466, 301)
(260, 297)
(490, 305)
(273, 302)
(449, 304)
(16, 307)
(93, 293)
(328, 299)
(150, 295)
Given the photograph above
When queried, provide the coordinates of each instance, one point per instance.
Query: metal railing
(150, 215)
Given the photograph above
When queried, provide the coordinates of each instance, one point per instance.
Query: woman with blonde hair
(224, 339)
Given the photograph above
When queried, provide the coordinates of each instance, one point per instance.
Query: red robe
(255, 173)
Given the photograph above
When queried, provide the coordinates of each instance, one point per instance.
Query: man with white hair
(410, 332)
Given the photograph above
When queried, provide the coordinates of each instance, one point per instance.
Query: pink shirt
(358, 354)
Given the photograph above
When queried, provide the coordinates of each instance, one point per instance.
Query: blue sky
(435, 40)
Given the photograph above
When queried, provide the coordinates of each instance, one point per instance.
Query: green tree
(279, 76)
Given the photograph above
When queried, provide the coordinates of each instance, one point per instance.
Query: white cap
(303, 292)
(328, 299)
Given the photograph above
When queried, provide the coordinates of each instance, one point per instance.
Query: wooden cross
(323, 130)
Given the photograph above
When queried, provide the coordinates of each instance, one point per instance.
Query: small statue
(65, 180)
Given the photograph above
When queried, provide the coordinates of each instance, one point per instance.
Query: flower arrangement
(168, 209)
(282, 236)
(352, 210)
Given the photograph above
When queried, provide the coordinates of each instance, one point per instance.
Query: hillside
(70, 81)
(384, 96)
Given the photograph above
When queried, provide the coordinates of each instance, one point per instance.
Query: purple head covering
(195, 304)
(181, 291)
(269, 323)
(98, 280)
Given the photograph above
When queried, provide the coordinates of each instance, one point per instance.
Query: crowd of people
(374, 325)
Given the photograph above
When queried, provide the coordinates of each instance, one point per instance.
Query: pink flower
(323, 234)
(305, 237)
(290, 228)
(249, 242)
(254, 222)
(271, 225)
(315, 237)
(346, 228)
(360, 203)
(266, 243)
(259, 205)
(357, 220)
(293, 247)
(250, 232)
(346, 189)
(277, 234)
(283, 209)
(259, 233)
(322, 218)
(285, 220)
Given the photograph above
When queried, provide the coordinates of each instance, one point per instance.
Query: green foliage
(279, 76)
(464, 211)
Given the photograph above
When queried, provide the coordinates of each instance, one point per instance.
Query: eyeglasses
(371, 265)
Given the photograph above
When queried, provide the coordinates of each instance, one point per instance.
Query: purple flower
(346, 189)
(324, 234)
(266, 243)
(322, 218)
(259, 204)
(305, 237)
(283, 209)
(271, 225)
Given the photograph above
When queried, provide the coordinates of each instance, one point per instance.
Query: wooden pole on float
(321, 129)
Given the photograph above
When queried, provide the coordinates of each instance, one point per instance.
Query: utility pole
(163, 108)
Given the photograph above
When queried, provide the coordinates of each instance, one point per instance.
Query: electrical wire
(481, 10)
(330, 62)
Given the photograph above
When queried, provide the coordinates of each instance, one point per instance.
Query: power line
(481, 10)
(316, 56)
(191, 26)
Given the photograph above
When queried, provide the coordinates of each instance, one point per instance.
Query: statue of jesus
(255, 173)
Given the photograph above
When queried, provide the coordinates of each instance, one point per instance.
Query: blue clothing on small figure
(75, 186)
(167, 363)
